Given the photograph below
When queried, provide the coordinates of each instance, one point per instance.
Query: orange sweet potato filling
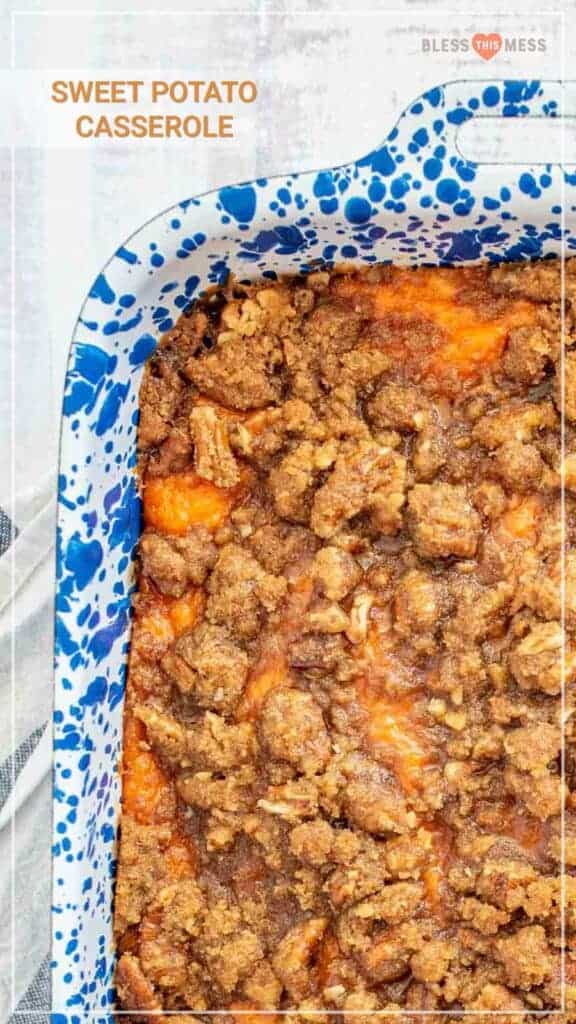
(145, 788)
(394, 730)
(272, 669)
(393, 722)
(470, 340)
(144, 784)
(521, 519)
(165, 618)
(243, 1012)
(174, 503)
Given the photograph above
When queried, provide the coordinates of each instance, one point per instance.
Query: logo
(487, 46)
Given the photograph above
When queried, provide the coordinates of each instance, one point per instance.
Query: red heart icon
(487, 46)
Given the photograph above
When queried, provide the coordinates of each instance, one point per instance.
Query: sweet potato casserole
(343, 787)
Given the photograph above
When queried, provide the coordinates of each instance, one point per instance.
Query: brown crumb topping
(342, 785)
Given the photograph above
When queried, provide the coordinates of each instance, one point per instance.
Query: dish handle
(422, 153)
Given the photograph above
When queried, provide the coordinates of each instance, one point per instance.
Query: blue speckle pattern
(413, 200)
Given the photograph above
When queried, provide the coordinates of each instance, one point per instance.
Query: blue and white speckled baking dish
(413, 200)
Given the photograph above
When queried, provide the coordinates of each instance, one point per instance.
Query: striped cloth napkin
(26, 611)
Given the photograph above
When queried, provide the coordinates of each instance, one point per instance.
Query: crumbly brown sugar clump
(342, 786)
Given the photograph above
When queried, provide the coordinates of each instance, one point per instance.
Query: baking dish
(413, 200)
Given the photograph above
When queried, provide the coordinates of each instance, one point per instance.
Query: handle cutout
(518, 140)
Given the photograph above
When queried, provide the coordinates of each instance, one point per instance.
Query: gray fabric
(7, 532)
(13, 765)
(29, 1009)
(37, 997)
(26, 697)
